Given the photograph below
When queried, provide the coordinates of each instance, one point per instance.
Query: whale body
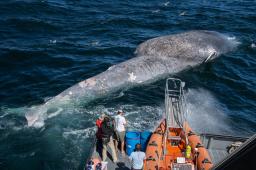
(154, 59)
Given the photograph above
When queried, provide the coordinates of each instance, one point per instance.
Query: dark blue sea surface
(49, 45)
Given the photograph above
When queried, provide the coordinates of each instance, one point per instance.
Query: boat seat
(177, 138)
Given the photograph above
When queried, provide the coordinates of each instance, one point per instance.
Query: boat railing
(241, 158)
(175, 112)
(210, 140)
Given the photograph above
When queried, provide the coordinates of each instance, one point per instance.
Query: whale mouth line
(209, 57)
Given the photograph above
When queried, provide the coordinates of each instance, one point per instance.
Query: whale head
(194, 47)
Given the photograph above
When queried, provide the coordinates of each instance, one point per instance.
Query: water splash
(206, 113)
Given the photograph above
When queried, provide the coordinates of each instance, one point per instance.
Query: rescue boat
(174, 145)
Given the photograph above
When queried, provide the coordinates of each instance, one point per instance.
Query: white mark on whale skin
(208, 51)
(82, 84)
(110, 68)
(132, 77)
(70, 93)
(253, 45)
(65, 98)
(55, 113)
(87, 83)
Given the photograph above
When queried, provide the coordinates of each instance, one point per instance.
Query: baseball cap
(120, 111)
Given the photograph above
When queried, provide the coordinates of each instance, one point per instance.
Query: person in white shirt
(120, 124)
(137, 158)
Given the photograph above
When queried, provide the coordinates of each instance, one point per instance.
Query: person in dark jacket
(107, 138)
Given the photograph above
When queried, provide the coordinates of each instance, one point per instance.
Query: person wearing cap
(120, 124)
(137, 158)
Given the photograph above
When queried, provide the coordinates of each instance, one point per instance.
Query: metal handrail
(224, 137)
(175, 104)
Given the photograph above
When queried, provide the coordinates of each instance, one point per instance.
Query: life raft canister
(188, 151)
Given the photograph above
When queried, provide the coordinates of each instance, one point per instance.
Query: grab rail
(175, 105)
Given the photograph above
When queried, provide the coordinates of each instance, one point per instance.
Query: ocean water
(49, 45)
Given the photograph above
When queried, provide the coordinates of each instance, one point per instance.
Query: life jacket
(99, 131)
(188, 151)
(98, 123)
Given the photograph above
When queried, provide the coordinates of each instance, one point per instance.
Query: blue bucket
(144, 138)
(132, 138)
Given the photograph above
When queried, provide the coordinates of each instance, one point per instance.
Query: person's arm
(130, 157)
(114, 123)
(124, 121)
(144, 158)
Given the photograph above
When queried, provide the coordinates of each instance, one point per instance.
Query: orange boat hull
(163, 151)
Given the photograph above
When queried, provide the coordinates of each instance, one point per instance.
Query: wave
(71, 131)
(205, 113)
(202, 105)
(30, 24)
